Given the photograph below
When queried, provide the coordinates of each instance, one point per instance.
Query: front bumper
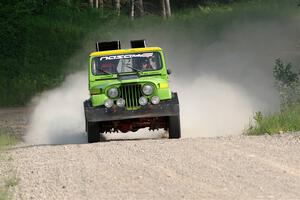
(163, 109)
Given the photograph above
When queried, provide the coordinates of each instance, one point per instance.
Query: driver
(146, 64)
(153, 63)
(108, 66)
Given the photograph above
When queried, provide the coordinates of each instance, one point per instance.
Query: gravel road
(236, 167)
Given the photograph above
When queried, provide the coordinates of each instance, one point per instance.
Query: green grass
(3, 194)
(7, 140)
(12, 182)
(284, 121)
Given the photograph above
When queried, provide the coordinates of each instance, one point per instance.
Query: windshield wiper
(105, 72)
(135, 69)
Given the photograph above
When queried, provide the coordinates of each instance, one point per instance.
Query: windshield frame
(160, 63)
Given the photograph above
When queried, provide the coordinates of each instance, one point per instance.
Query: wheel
(174, 127)
(93, 131)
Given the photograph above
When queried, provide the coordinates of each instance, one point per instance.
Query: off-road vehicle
(129, 90)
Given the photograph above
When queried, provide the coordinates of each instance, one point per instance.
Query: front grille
(131, 94)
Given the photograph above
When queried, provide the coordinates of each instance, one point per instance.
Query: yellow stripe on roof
(125, 51)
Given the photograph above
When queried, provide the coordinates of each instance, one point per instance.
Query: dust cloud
(220, 83)
(58, 117)
(213, 107)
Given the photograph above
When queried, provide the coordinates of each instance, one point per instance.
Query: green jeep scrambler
(129, 90)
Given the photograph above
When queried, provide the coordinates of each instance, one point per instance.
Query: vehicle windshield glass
(114, 64)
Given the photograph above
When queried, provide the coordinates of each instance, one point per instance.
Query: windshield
(115, 64)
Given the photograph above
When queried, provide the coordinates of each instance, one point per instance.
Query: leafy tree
(287, 83)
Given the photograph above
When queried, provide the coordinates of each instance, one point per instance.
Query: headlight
(148, 89)
(113, 92)
(155, 100)
(143, 101)
(108, 103)
(121, 102)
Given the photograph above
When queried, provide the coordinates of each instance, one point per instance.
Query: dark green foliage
(287, 84)
(258, 117)
(38, 38)
(288, 118)
(284, 75)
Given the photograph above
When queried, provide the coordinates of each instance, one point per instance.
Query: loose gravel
(236, 167)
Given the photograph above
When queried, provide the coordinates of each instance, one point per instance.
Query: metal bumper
(163, 109)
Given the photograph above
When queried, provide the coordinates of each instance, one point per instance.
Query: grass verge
(8, 183)
(286, 120)
(6, 140)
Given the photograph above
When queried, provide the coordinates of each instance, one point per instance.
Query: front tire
(174, 127)
(93, 131)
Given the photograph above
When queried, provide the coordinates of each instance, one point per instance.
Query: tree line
(143, 7)
(135, 7)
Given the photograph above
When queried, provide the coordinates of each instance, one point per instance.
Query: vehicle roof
(125, 51)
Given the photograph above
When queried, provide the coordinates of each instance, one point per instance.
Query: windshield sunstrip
(116, 64)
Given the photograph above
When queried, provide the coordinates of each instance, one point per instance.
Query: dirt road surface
(236, 167)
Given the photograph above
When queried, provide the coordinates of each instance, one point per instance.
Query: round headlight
(108, 103)
(148, 89)
(143, 101)
(113, 92)
(121, 102)
(155, 100)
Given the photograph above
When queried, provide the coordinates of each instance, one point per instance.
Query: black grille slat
(123, 95)
(136, 98)
(131, 94)
(127, 96)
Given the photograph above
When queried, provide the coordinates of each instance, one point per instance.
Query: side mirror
(169, 71)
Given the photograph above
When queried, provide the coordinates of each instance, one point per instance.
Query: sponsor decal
(117, 57)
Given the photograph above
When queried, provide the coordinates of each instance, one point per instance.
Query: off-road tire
(93, 131)
(174, 127)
